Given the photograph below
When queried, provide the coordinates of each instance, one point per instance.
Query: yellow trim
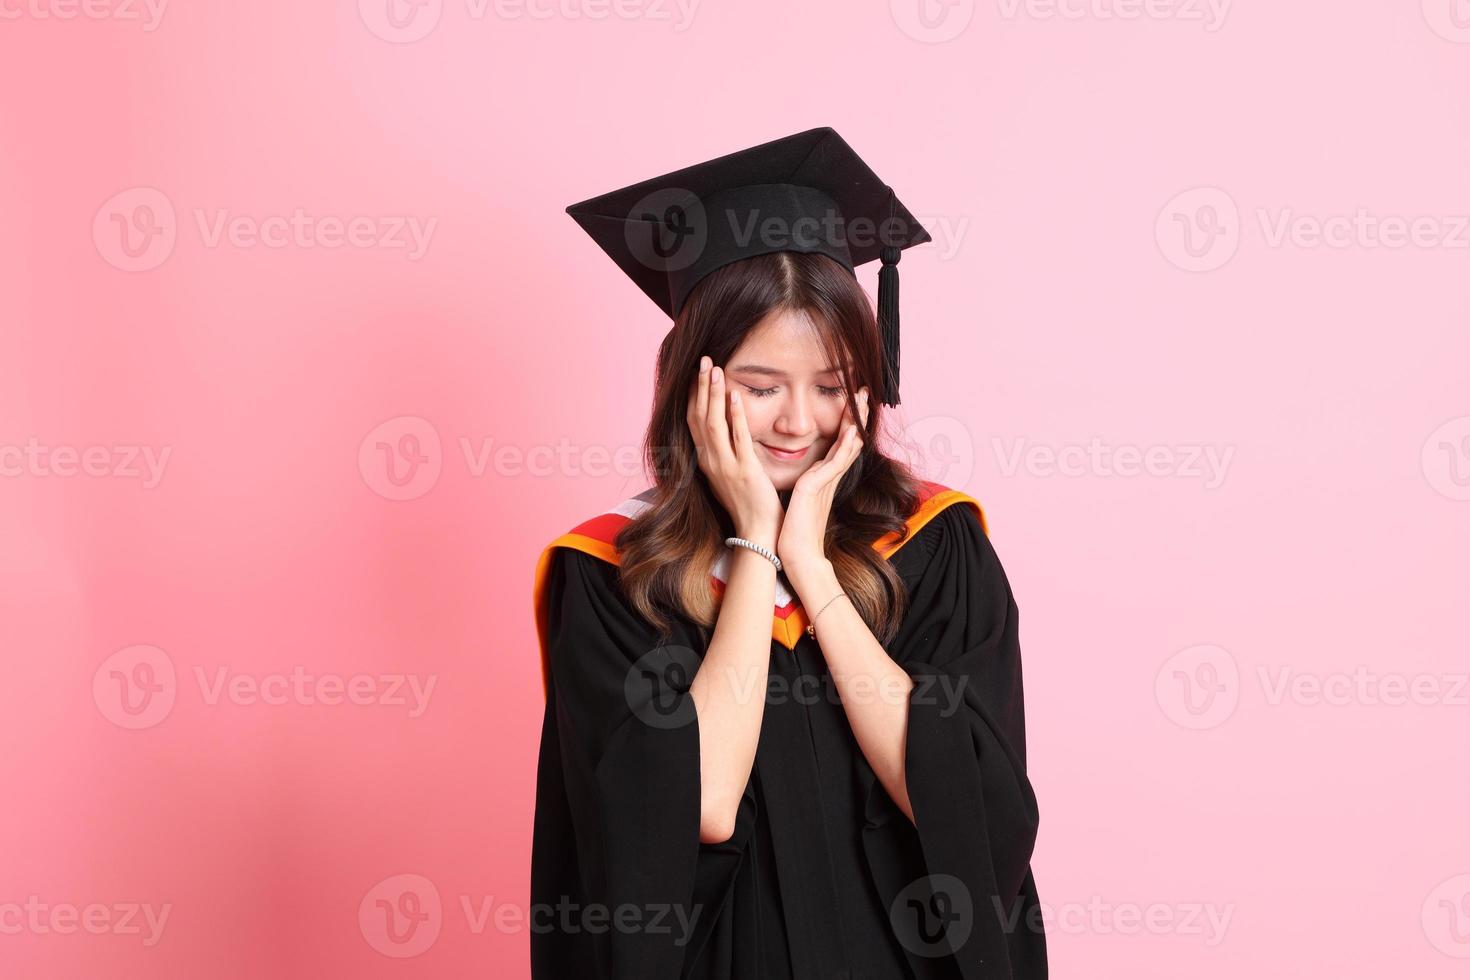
(787, 631)
(889, 544)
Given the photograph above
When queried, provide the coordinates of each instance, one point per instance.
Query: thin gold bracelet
(811, 629)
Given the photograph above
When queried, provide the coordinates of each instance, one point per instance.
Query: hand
(803, 541)
(728, 460)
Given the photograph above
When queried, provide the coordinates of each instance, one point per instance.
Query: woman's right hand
(728, 459)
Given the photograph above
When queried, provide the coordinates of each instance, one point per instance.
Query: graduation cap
(808, 192)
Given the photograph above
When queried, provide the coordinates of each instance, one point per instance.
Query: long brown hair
(666, 553)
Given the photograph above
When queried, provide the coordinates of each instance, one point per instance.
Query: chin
(782, 481)
(784, 478)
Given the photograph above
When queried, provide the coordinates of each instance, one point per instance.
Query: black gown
(824, 878)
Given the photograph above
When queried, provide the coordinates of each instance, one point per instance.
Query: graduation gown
(824, 877)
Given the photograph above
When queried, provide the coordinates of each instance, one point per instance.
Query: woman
(784, 732)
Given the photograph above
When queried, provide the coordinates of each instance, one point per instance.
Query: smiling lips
(783, 454)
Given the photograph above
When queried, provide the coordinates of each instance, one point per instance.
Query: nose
(795, 418)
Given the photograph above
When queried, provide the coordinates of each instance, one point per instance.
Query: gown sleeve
(618, 803)
(975, 814)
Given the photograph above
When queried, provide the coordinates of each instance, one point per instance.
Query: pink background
(1132, 258)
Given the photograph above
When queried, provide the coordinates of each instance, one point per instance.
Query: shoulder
(596, 535)
(584, 558)
(582, 601)
(949, 532)
(940, 510)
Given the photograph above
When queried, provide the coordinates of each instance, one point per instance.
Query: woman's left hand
(802, 543)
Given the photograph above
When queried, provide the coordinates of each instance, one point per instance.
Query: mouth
(785, 455)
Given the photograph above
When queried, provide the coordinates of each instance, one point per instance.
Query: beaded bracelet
(757, 548)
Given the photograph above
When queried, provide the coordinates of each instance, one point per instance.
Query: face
(793, 398)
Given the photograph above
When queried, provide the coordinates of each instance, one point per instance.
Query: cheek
(831, 417)
(757, 416)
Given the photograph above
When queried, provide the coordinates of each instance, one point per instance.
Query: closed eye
(830, 392)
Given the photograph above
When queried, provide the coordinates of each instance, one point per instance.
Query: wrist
(810, 575)
(764, 535)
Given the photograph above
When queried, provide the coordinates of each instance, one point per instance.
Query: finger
(715, 426)
(739, 429)
(852, 446)
(855, 447)
(834, 451)
(699, 395)
(833, 465)
(864, 408)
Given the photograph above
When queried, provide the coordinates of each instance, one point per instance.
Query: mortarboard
(808, 192)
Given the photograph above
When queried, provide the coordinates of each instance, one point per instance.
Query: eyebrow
(772, 372)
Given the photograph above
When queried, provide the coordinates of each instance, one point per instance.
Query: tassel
(888, 321)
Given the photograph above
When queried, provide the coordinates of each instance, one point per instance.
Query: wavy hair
(666, 553)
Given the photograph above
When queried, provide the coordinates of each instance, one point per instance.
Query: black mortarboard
(808, 192)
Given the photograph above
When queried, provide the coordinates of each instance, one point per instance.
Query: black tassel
(888, 321)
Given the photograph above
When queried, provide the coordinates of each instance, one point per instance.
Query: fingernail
(703, 364)
(718, 375)
(734, 398)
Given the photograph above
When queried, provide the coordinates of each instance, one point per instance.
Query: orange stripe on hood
(596, 535)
